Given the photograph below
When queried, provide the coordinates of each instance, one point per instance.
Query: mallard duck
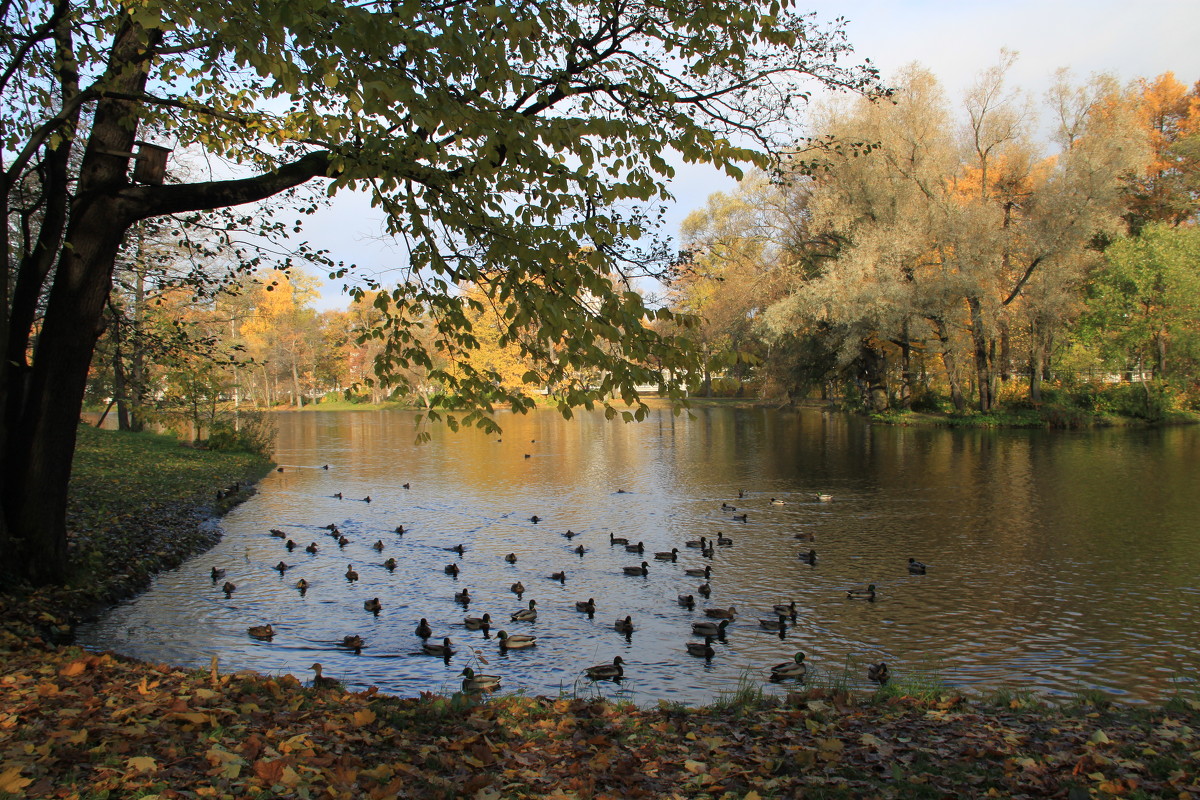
(290, 545)
(515, 641)
(570, 534)
(916, 567)
(710, 628)
(451, 569)
(475, 623)
(638, 548)
(445, 649)
(863, 594)
(517, 588)
(343, 541)
(707, 553)
(353, 642)
(788, 610)
(526, 614)
(463, 597)
(311, 549)
(378, 545)
(698, 572)
(217, 574)
(302, 585)
(282, 567)
(351, 575)
(561, 577)
(338, 495)
(702, 543)
(723, 540)
(741, 517)
(808, 558)
(721, 613)
(331, 527)
(580, 550)
(400, 530)
(278, 534)
(616, 539)
(795, 669)
(479, 683)
(701, 649)
(373, 605)
(727, 507)
(511, 558)
(322, 682)
(643, 570)
(624, 625)
(824, 498)
(704, 589)
(777, 624)
(367, 499)
(423, 629)
(229, 588)
(878, 673)
(687, 601)
(458, 548)
(406, 486)
(261, 631)
(587, 607)
(390, 565)
(776, 502)
(535, 519)
(673, 555)
(606, 672)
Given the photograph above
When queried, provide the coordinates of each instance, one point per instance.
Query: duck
(586, 606)
(526, 614)
(824, 498)
(517, 588)
(378, 546)
(338, 495)
(278, 534)
(788, 610)
(353, 642)
(741, 493)
(331, 527)
(721, 613)
(367, 499)
(727, 507)
(535, 519)
(702, 543)
(282, 567)
(458, 548)
(805, 537)
(351, 575)
(701, 649)
(515, 641)
(643, 570)
(706, 572)
(570, 534)
(741, 517)
(616, 539)
(777, 624)
(373, 605)
(687, 601)
(606, 672)
(638, 548)
(217, 574)
(710, 628)
(406, 486)
(723, 540)
(423, 629)
(445, 649)
(479, 683)
(795, 669)
(511, 558)
(581, 550)
(323, 682)
(463, 597)
(302, 585)
(290, 545)
(311, 549)
(476, 623)
(261, 631)
(343, 541)
(704, 589)
(229, 588)
(776, 501)
(624, 625)
(878, 673)
(561, 577)
(451, 569)
(400, 531)
(673, 555)
(390, 565)
(808, 558)
(865, 594)
(916, 567)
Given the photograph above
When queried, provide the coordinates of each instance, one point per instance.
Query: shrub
(243, 431)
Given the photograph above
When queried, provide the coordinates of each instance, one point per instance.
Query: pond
(1056, 561)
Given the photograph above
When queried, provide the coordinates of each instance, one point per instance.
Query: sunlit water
(1057, 561)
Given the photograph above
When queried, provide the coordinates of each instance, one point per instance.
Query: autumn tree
(1168, 190)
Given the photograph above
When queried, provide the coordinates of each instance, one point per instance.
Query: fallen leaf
(142, 764)
(11, 781)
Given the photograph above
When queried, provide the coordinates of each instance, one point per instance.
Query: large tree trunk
(1036, 357)
(983, 370)
(874, 375)
(949, 362)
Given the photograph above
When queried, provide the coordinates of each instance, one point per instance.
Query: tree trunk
(1005, 353)
(1036, 357)
(907, 378)
(949, 362)
(120, 387)
(983, 372)
(874, 369)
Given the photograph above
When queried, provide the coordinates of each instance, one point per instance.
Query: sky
(954, 39)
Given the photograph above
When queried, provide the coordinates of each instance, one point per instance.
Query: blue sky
(954, 40)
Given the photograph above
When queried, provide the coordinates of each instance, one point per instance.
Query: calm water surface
(1057, 561)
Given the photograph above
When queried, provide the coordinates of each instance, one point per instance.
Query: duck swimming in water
(606, 672)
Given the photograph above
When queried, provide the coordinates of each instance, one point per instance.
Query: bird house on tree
(150, 164)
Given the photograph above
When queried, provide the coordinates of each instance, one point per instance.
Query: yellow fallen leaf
(194, 717)
(74, 668)
(752, 795)
(1099, 737)
(205, 694)
(695, 767)
(78, 737)
(11, 781)
(364, 717)
(142, 764)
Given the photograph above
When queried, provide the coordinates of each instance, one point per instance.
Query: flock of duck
(712, 628)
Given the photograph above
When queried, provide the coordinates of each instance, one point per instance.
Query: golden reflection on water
(1057, 561)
